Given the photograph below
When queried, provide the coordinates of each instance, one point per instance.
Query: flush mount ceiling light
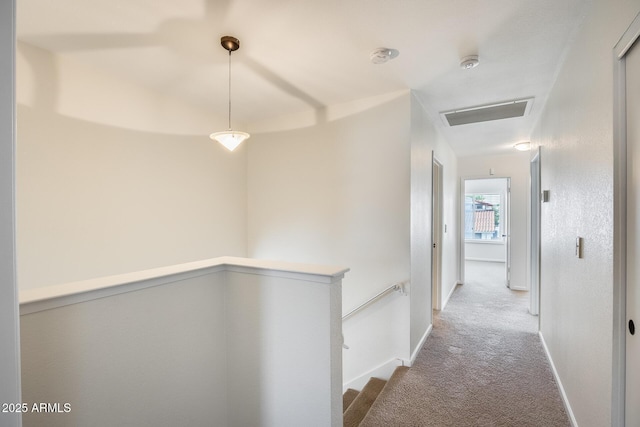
(383, 54)
(523, 146)
(469, 62)
(230, 138)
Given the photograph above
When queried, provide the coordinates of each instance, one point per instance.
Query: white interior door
(632, 406)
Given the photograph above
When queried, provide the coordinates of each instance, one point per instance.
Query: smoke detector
(383, 54)
(469, 62)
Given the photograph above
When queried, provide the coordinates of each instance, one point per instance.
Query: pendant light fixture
(230, 138)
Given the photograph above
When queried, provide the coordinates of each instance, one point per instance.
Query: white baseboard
(382, 371)
(446, 300)
(484, 260)
(419, 347)
(565, 400)
(517, 288)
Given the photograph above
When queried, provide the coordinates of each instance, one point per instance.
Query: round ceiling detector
(383, 54)
(469, 62)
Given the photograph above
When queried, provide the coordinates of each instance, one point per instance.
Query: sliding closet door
(632, 407)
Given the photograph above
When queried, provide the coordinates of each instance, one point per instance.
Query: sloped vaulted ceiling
(305, 54)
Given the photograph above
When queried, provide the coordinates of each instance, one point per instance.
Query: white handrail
(399, 286)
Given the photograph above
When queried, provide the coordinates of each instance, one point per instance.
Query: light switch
(545, 196)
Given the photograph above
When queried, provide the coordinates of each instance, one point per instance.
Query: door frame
(9, 310)
(507, 228)
(534, 238)
(507, 235)
(620, 221)
(437, 211)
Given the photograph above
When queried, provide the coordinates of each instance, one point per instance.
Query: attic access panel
(486, 113)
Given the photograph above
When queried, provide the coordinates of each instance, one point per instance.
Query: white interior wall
(576, 136)
(337, 192)
(132, 358)
(451, 238)
(233, 340)
(9, 323)
(516, 166)
(484, 251)
(485, 186)
(426, 142)
(272, 317)
(114, 178)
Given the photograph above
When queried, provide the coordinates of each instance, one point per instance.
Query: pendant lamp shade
(230, 138)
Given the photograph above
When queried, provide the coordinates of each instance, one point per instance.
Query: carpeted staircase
(356, 404)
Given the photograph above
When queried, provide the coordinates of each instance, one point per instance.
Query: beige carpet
(483, 365)
(358, 409)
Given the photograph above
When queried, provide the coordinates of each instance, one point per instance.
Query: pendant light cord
(229, 89)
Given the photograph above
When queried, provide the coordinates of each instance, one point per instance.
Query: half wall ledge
(46, 298)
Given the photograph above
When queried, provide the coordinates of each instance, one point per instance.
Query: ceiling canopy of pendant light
(230, 138)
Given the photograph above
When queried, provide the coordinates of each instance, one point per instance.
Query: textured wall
(575, 133)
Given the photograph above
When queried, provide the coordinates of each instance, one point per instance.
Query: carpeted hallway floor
(483, 365)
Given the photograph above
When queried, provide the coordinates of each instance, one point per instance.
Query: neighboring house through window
(482, 217)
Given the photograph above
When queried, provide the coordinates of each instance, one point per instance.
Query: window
(482, 217)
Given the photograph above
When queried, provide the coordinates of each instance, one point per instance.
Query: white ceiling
(299, 55)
